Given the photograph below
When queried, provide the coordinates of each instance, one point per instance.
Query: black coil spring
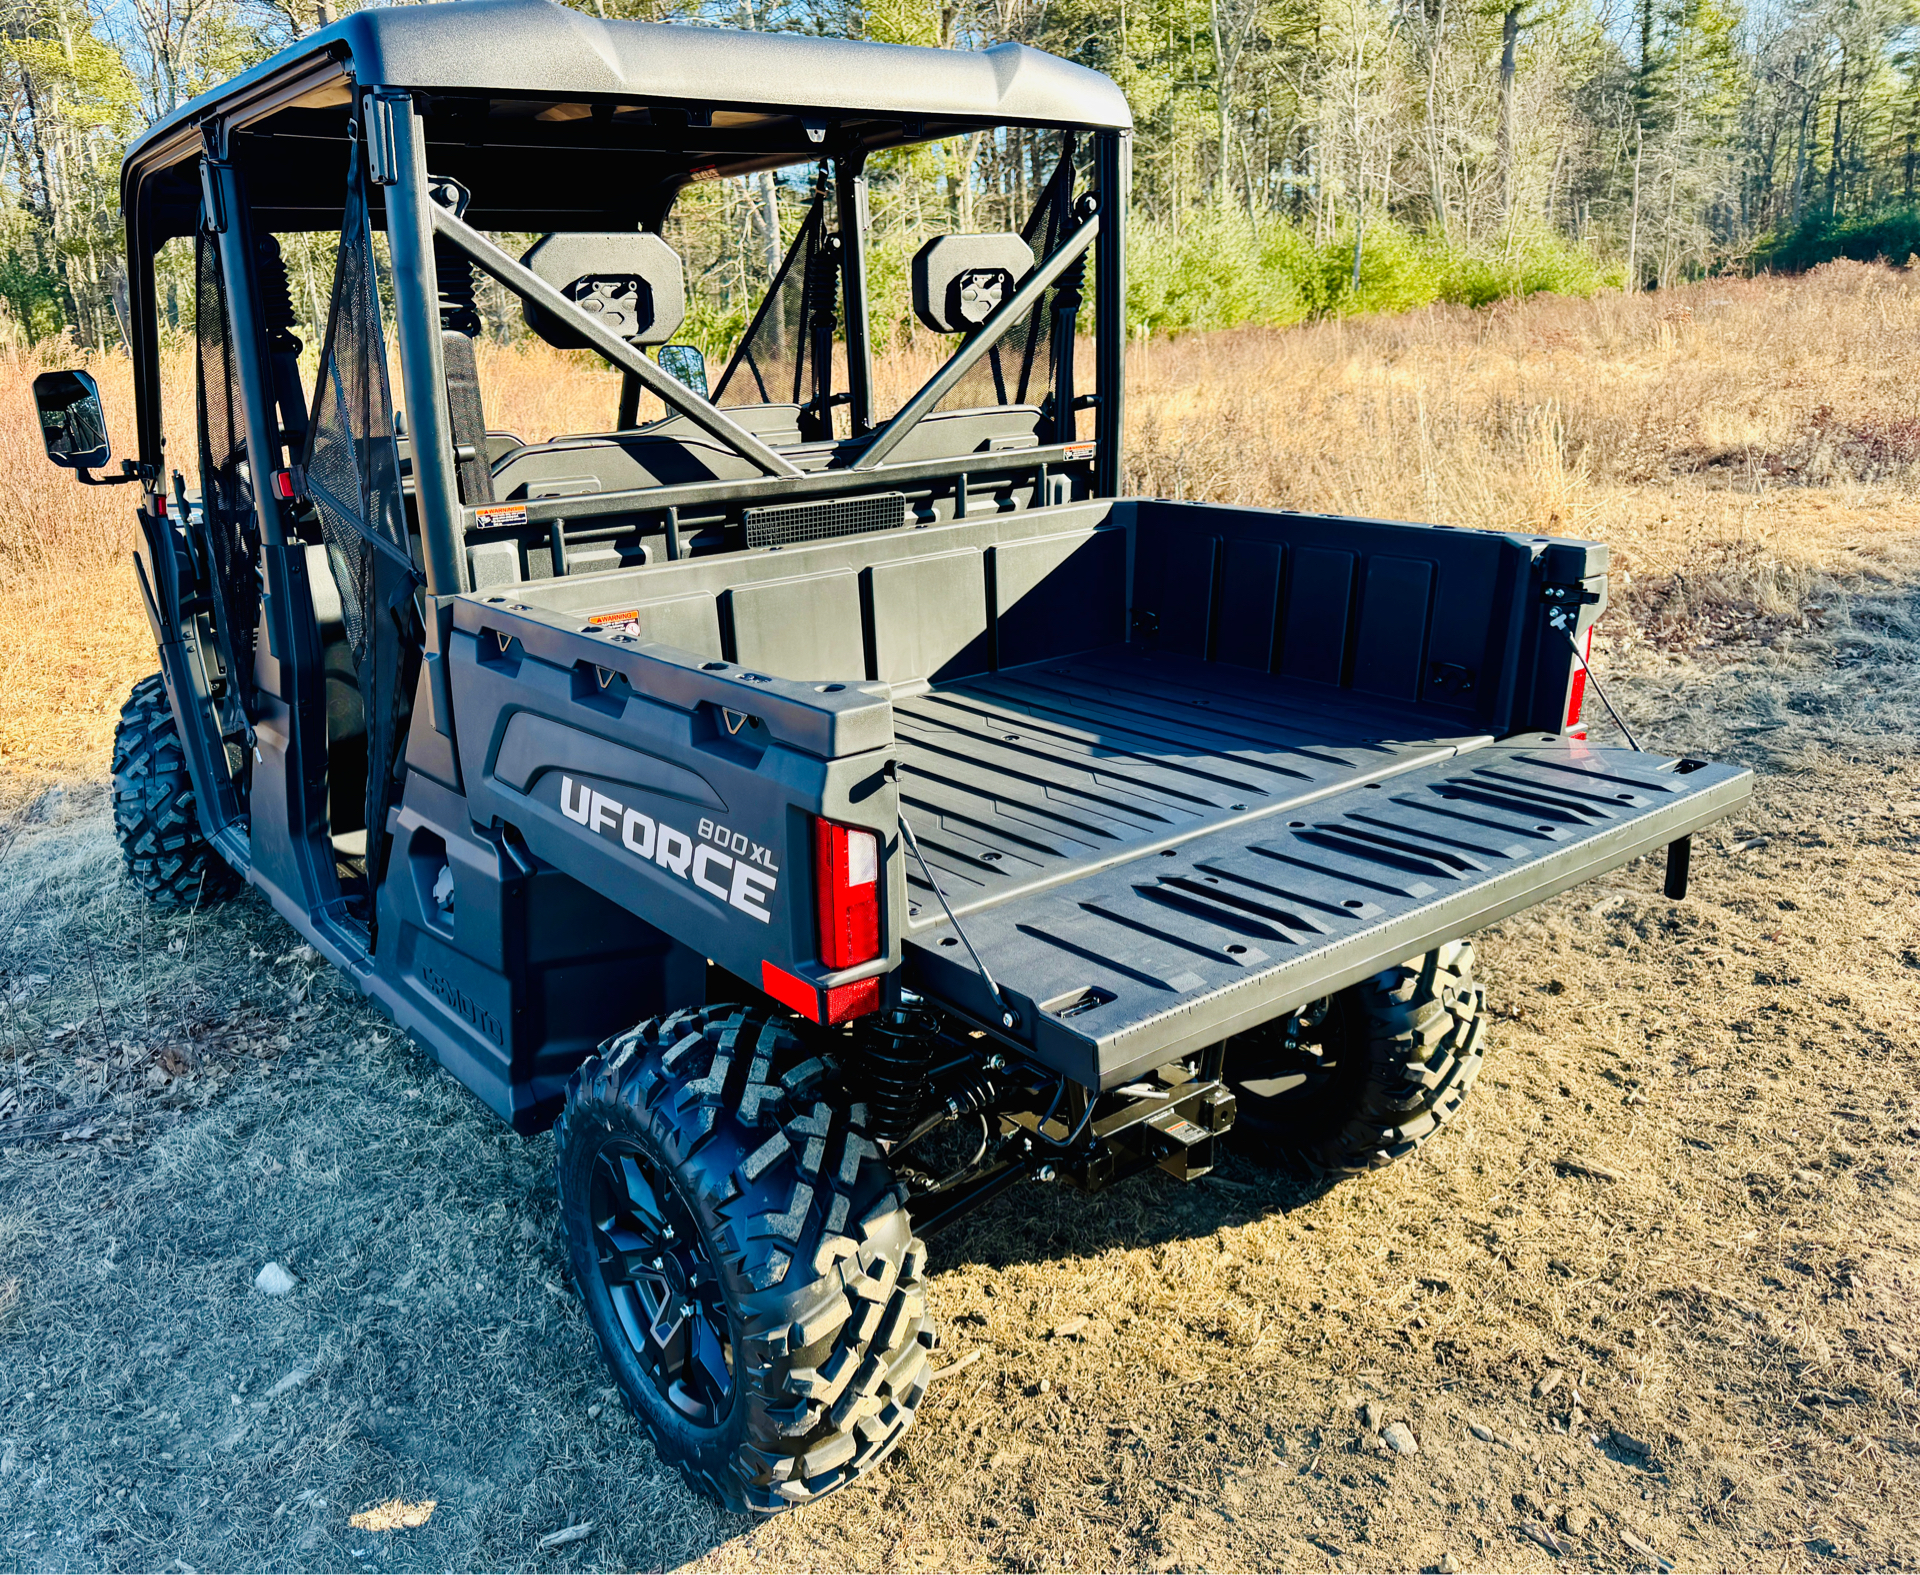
(896, 1051)
(276, 295)
(459, 312)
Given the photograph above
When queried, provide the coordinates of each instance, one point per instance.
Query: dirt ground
(1653, 1301)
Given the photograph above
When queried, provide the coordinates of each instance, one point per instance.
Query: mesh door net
(226, 498)
(352, 468)
(352, 462)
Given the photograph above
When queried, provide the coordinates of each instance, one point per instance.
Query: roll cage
(570, 151)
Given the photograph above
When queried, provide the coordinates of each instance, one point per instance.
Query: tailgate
(1135, 964)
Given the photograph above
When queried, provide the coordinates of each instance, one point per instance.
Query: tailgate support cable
(1594, 679)
(1680, 850)
(1563, 617)
(1008, 1017)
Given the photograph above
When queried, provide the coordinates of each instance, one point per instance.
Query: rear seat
(775, 424)
(675, 452)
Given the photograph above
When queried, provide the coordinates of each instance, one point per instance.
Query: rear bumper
(1139, 963)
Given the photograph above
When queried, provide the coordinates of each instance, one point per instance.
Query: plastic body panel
(513, 983)
(684, 795)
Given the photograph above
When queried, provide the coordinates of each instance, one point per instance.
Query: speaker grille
(796, 522)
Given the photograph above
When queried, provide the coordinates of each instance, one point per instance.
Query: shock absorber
(459, 311)
(283, 346)
(896, 1050)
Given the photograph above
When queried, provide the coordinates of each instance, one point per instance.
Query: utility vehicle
(830, 811)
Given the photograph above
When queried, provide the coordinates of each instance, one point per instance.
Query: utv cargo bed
(1329, 745)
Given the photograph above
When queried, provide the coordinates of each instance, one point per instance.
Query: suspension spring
(896, 1050)
(976, 1094)
(459, 312)
(276, 295)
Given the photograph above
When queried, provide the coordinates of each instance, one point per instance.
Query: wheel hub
(664, 1289)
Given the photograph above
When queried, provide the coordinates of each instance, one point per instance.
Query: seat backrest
(624, 462)
(774, 424)
(953, 434)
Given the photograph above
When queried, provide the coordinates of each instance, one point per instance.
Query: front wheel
(744, 1256)
(155, 818)
(1366, 1076)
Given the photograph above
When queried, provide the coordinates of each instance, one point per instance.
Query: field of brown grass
(1653, 1302)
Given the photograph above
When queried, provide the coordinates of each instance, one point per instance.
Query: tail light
(1577, 697)
(846, 882)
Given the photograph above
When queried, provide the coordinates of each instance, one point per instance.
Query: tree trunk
(1509, 48)
(1222, 97)
(1633, 227)
(1833, 163)
(1435, 138)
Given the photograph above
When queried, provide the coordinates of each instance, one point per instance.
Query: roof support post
(850, 192)
(227, 209)
(393, 132)
(1113, 172)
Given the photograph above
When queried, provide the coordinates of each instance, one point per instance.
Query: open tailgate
(1130, 966)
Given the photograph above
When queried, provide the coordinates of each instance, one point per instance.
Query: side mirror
(686, 364)
(72, 423)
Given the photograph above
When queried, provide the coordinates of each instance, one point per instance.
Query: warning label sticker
(629, 616)
(490, 516)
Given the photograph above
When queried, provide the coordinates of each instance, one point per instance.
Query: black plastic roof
(540, 49)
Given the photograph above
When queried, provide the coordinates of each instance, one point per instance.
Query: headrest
(632, 281)
(959, 279)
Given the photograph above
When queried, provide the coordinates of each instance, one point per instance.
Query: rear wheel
(1366, 1076)
(744, 1256)
(155, 818)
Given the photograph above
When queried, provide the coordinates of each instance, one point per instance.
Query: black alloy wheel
(662, 1285)
(744, 1254)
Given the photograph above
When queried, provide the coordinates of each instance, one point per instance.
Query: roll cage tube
(397, 161)
(227, 217)
(979, 342)
(528, 285)
(850, 198)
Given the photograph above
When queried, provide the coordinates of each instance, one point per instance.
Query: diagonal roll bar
(527, 284)
(977, 344)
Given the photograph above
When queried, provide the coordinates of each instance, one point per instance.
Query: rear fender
(682, 790)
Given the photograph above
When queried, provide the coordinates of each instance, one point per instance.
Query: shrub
(1223, 270)
(1892, 232)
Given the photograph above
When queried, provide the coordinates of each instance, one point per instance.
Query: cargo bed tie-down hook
(1009, 1018)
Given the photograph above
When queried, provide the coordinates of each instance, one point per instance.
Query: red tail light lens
(846, 879)
(1578, 697)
